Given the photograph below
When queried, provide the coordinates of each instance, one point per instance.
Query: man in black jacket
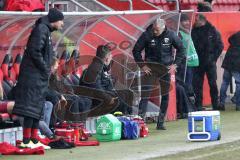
(97, 77)
(31, 88)
(209, 46)
(231, 65)
(159, 62)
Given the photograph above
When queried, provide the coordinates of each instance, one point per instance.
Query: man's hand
(147, 70)
(62, 102)
(63, 98)
(172, 68)
(113, 100)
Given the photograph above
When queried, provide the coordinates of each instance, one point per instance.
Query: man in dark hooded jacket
(31, 88)
(158, 43)
(231, 65)
(209, 46)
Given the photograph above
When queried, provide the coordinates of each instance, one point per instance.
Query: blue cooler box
(204, 126)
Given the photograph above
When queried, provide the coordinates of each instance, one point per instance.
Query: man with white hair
(158, 43)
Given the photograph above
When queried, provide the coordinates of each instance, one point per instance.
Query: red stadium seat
(1, 75)
(9, 74)
(16, 64)
(13, 75)
(4, 117)
(5, 67)
(193, 2)
(62, 61)
(24, 5)
(219, 5)
(184, 2)
(75, 57)
(8, 117)
(235, 2)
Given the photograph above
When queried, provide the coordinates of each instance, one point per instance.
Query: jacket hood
(44, 20)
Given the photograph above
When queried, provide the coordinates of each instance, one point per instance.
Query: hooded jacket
(32, 85)
(208, 44)
(231, 61)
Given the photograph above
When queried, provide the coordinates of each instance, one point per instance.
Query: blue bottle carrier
(204, 126)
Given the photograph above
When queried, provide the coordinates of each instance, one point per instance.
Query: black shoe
(179, 116)
(142, 115)
(221, 107)
(184, 116)
(200, 108)
(61, 144)
(161, 127)
(233, 99)
(52, 137)
(238, 108)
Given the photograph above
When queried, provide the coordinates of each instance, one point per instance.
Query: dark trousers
(30, 123)
(183, 103)
(125, 101)
(189, 77)
(30, 130)
(78, 103)
(149, 86)
(198, 79)
(227, 78)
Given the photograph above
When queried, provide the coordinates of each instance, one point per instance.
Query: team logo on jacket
(166, 40)
(50, 40)
(153, 42)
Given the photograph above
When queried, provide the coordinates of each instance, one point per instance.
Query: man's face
(55, 66)
(157, 29)
(199, 22)
(186, 24)
(58, 25)
(108, 58)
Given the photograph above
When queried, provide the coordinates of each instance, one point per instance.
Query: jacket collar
(97, 61)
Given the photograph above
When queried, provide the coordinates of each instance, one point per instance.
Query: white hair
(159, 22)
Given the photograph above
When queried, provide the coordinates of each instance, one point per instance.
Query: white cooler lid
(204, 113)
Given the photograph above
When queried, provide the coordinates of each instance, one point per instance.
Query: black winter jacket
(231, 61)
(32, 86)
(94, 77)
(158, 49)
(208, 43)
